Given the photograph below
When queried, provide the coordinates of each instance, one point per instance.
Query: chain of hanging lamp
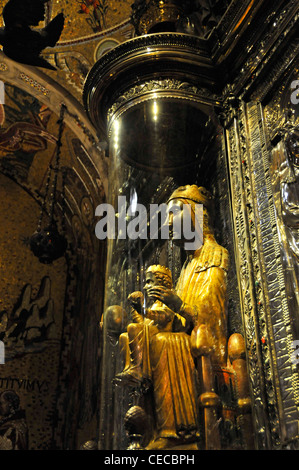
(47, 243)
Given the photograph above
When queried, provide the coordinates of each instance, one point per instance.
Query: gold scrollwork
(168, 84)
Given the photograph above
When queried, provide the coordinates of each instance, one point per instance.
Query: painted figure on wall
(23, 132)
(30, 327)
(25, 136)
(13, 427)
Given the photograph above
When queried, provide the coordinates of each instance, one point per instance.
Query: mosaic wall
(49, 314)
(32, 305)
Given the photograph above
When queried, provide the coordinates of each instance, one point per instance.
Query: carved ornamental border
(274, 380)
(278, 347)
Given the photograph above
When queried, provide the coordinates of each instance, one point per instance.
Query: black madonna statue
(162, 347)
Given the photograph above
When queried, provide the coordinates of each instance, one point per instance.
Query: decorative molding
(185, 90)
(170, 45)
(245, 252)
(261, 236)
(34, 83)
(281, 380)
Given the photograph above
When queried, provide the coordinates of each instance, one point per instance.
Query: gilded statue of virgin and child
(161, 344)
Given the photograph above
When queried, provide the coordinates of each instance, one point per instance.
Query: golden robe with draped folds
(167, 358)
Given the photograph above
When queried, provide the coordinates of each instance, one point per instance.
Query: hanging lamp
(47, 244)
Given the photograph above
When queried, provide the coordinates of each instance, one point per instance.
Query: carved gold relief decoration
(185, 90)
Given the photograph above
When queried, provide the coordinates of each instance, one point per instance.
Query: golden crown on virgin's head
(159, 269)
(194, 193)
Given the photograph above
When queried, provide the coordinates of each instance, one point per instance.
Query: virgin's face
(175, 221)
